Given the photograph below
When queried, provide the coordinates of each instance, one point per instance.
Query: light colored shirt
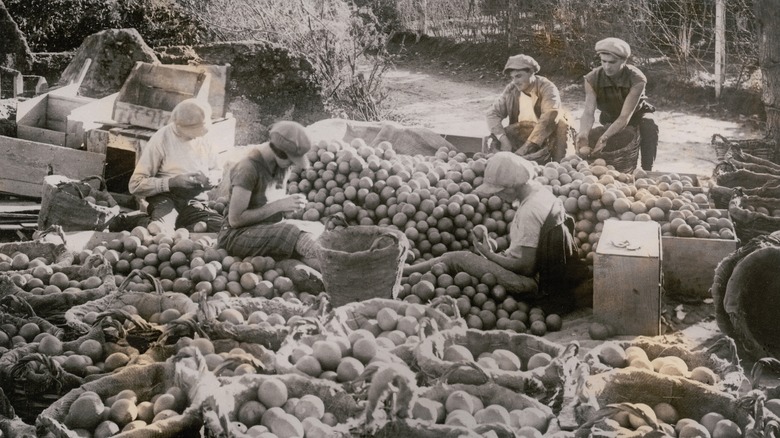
(547, 108)
(526, 226)
(167, 155)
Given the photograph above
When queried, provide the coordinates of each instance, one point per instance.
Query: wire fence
(680, 33)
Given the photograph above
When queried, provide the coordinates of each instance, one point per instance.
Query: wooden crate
(627, 281)
(151, 91)
(45, 118)
(25, 163)
(689, 263)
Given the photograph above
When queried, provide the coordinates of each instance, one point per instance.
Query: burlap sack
(744, 290)
(145, 381)
(351, 317)
(728, 370)
(621, 151)
(53, 306)
(237, 390)
(147, 305)
(690, 399)
(76, 205)
(52, 253)
(749, 223)
(542, 383)
(726, 174)
(269, 336)
(489, 394)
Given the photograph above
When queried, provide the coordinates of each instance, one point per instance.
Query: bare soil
(449, 89)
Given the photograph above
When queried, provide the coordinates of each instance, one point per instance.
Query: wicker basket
(744, 291)
(621, 151)
(758, 147)
(749, 223)
(361, 262)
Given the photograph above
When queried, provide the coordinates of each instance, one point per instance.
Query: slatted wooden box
(46, 118)
(151, 91)
(627, 277)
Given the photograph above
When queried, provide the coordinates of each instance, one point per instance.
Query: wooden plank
(20, 188)
(140, 115)
(18, 206)
(60, 107)
(166, 78)
(41, 135)
(27, 163)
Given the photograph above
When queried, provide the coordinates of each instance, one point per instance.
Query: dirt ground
(452, 97)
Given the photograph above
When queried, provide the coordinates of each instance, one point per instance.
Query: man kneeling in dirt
(176, 168)
(536, 117)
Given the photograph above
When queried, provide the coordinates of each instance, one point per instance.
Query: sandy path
(447, 102)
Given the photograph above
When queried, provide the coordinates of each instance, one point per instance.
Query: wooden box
(627, 277)
(151, 91)
(46, 118)
(26, 163)
(689, 263)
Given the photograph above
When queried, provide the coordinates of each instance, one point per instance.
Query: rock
(14, 52)
(114, 52)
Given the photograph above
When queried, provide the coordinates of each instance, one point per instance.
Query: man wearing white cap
(532, 105)
(176, 168)
(541, 259)
(617, 89)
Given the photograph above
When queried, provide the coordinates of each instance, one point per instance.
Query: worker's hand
(601, 144)
(582, 140)
(293, 202)
(186, 181)
(527, 148)
(506, 145)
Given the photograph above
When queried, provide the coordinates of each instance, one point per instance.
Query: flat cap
(614, 46)
(519, 62)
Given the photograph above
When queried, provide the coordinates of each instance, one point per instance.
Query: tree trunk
(768, 19)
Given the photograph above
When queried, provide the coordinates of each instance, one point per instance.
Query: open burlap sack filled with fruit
(745, 293)
(185, 372)
(721, 196)
(419, 420)
(131, 314)
(726, 174)
(96, 278)
(354, 316)
(40, 247)
(16, 312)
(724, 374)
(33, 381)
(237, 391)
(265, 334)
(688, 398)
(754, 216)
(76, 205)
(543, 382)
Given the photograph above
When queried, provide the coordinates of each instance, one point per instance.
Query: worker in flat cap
(541, 263)
(617, 90)
(177, 166)
(532, 105)
(256, 221)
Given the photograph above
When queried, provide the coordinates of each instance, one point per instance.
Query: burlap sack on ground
(53, 306)
(749, 223)
(237, 390)
(33, 381)
(743, 289)
(489, 394)
(360, 262)
(66, 203)
(351, 317)
(268, 336)
(690, 399)
(542, 383)
(147, 304)
(407, 140)
(145, 381)
(52, 253)
(728, 370)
